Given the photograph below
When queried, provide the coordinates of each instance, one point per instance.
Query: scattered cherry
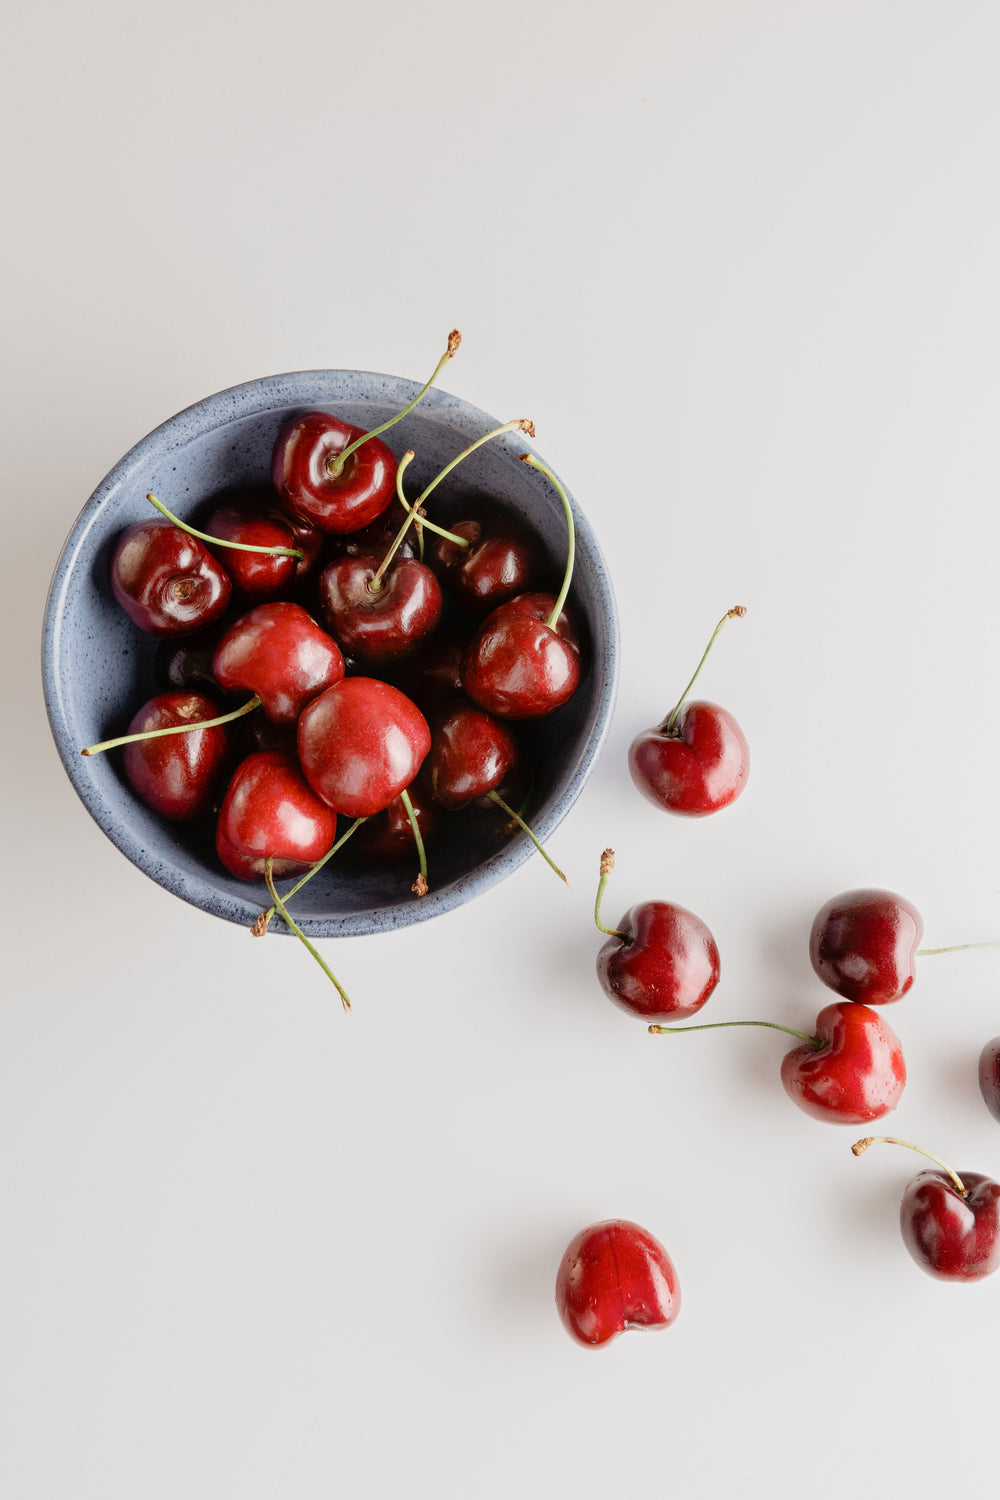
(989, 1076)
(615, 1276)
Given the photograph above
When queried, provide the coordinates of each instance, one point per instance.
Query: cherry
(471, 755)
(279, 652)
(697, 760)
(660, 962)
(950, 1223)
(615, 1276)
(256, 575)
(989, 1076)
(377, 618)
(167, 581)
(361, 743)
(850, 1071)
(270, 812)
(500, 560)
(177, 775)
(335, 476)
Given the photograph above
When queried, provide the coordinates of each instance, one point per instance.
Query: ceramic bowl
(98, 667)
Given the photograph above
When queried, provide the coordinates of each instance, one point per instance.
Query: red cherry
(382, 622)
(279, 652)
(864, 943)
(166, 581)
(517, 665)
(311, 486)
(696, 768)
(856, 1075)
(255, 576)
(270, 812)
(615, 1276)
(503, 559)
(177, 775)
(989, 1076)
(361, 743)
(471, 755)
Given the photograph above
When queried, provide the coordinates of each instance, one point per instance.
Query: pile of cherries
(661, 963)
(399, 710)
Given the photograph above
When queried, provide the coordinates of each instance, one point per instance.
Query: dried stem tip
(607, 861)
(259, 928)
(737, 612)
(527, 425)
(420, 886)
(860, 1147)
(454, 343)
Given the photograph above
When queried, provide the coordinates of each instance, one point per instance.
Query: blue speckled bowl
(98, 668)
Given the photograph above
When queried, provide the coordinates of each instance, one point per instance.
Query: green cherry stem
(816, 1042)
(860, 1147)
(736, 613)
(280, 907)
(536, 463)
(516, 818)
(607, 865)
(218, 541)
(155, 734)
(955, 948)
(420, 885)
(260, 926)
(335, 465)
(420, 522)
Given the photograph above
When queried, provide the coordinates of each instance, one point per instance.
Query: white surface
(739, 262)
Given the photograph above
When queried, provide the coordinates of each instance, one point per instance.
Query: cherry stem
(155, 734)
(420, 521)
(421, 886)
(280, 907)
(860, 1147)
(516, 818)
(335, 465)
(536, 463)
(218, 541)
(737, 612)
(260, 926)
(607, 865)
(816, 1042)
(955, 948)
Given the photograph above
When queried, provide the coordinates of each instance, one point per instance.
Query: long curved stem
(816, 1042)
(218, 541)
(260, 926)
(536, 463)
(736, 613)
(155, 734)
(607, 865)
(421, 522)
(336, 465)
(860, 1147)
(516, 818)
(280, 907)
(420, 885)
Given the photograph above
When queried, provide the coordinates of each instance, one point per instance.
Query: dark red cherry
(279, 652)
(517, 666)
(864, 944)
(503, 559)
(471, 755)
(177, 775)
(375, 539)
(361, 743)
(662, 963)
(390, 620)
(615, 1276)
(695, 768)
(185, 664)
(166, 581)
(256, 576)
(270, 812)
(387, 838)
(433, 679)
(989, 1076)
(305, 473)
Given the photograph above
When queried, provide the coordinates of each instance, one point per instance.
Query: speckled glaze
(98, 668)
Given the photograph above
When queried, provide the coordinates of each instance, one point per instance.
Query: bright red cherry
(950, 1223)
(317, 486)
(864, 944)
(989, 1076)
(270, 812)
(615, 1276)
(522, 663)
(279, 652)
(361, 743)
(384, 619)
(697, 760)
(167, 581)
(177, 774)
(661, 962)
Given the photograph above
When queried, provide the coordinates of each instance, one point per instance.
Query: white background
(739, 262)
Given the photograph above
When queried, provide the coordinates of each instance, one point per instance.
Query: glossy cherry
(471, 755)
(256, 576)
(660, 962)
(270, 812)
(361, 743)
(167, 582)
(501, 560)
(278, 651)
(989, 1076)
(177, 775)
(379, 619)
(849, 1071)
(950, 1222)
(615, 1276)
(518, 665)
(863, 944)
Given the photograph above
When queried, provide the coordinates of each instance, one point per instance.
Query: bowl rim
(256, 398)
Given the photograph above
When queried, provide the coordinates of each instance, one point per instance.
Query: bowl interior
(99, 668)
